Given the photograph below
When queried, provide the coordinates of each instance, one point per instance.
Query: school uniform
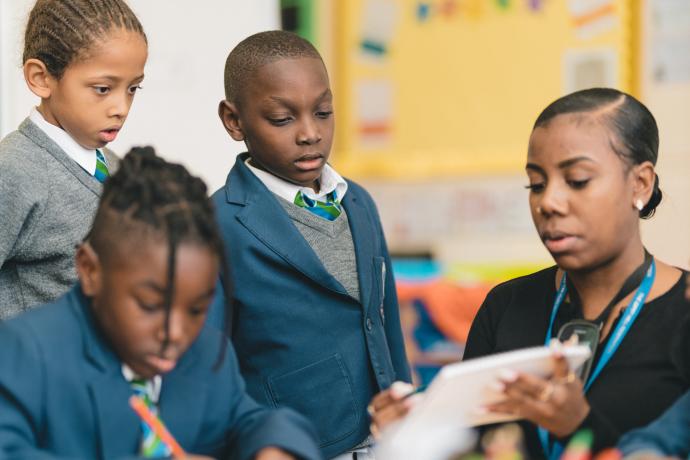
(667, 436)
(320, 340)
(48, 197)
(63, 395)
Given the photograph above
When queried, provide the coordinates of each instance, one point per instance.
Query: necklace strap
(629, 285)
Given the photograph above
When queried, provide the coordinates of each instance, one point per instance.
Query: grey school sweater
(331, 241)
(47, 203)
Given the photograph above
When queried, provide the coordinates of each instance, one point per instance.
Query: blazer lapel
(118, 425)
(264, 217)
(182, 401)
(361, 227)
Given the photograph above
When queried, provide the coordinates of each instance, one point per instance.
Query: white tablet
(460, 389)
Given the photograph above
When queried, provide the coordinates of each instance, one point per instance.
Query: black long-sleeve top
(642, 379)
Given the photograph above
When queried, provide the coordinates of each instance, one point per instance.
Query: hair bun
(654, 200)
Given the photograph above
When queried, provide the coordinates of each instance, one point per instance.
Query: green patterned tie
(101, 167)
(151, 444)
(329, 210)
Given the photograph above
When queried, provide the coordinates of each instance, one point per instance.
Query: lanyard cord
(629, 285)
(621, 330)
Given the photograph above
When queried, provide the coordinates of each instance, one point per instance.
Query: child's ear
(89, 270)
(229, 116)
(37, 77)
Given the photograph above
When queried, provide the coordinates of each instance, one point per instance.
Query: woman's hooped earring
(639, 205)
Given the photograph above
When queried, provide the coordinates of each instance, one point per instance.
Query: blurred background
(434, 105)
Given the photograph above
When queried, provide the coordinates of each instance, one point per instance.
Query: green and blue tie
(329, 210)
(151, 444)
(101, 167)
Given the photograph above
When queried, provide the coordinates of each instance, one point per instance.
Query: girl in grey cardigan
(85, 60)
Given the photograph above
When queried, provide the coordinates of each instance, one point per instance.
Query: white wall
(176, 110)
(667, 234)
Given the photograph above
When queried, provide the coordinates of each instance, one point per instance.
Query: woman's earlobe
(645, 177)
(38, 78)
(229, 116)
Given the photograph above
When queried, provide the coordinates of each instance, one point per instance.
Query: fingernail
(481, 410)
(400, 389)
(508, 375)
(412, 401)
(498, 387)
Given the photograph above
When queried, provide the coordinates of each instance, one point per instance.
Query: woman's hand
(390, 405)
(273, 453)
(557, 404)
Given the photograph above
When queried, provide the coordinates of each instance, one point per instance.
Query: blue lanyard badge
(631, 312)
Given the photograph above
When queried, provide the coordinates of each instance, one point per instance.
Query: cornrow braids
(258, 50)
(61, 31)
(149, 194)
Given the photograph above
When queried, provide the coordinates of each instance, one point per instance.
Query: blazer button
(369, 325)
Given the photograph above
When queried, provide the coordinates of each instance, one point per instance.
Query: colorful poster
(592, 17)
(589, 68)
(378, 23)
(374, 112)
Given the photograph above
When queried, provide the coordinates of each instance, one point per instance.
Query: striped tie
(329, 210)
(101, 167)
(151, 444)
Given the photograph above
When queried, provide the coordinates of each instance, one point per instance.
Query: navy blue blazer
(63, 395)
(301, 340)
(667, 436)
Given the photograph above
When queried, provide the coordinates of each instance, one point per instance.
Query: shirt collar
(153, 385)
(86, 158)
(330, 181)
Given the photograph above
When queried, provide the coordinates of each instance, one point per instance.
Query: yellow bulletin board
(428, 89)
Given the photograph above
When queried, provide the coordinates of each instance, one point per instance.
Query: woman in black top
(591, 174)
(636, 386)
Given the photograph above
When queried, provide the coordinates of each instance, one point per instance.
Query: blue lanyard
(631, 312)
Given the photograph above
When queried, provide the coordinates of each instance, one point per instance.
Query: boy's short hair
(258, 50)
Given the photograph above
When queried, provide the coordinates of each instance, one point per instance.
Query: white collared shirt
(329, 181)
(84, 157)
(153, 385)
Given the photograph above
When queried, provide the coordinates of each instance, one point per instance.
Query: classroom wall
(441, 192)
(474, 218)
(177, 109)
(666, 37)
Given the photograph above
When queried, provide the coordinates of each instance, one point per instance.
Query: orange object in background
(451, 307)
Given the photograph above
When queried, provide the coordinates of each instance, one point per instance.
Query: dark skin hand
(267, 453)
(273, 453)
(558, 404)
(391, 405)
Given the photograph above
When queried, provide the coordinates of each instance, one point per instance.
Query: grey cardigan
(47, 203)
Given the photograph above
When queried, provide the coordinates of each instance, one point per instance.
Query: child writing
(316, 321)
(85, 60)
(133, 325)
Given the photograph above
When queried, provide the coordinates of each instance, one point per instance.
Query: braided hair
(150, 195)
(61, 31)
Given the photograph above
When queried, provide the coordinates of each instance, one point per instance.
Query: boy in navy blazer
(315, 315)
(133, 326)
